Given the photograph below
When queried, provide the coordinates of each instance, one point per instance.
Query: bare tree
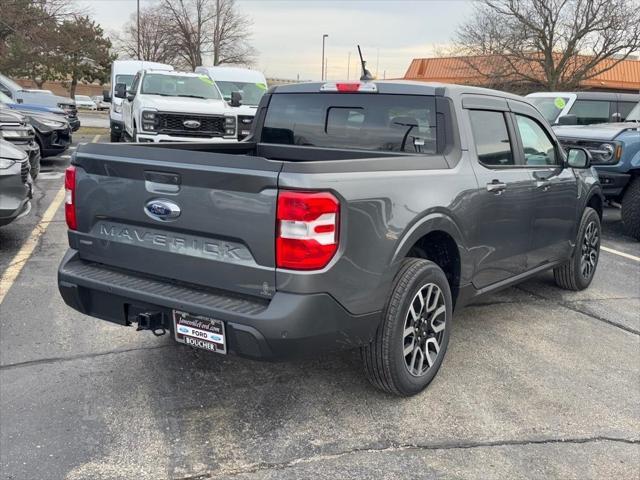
(156, 40)
(208, 28)
(548, 44)
(231, 35)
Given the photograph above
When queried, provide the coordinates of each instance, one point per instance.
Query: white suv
(168, 106)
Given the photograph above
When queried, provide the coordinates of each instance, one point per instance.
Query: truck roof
(134, 66)
(403, 87)
(233, 74)
(631, 97)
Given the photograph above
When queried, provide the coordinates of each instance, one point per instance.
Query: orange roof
(624, 76)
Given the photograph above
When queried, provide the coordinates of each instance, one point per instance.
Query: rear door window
(491, 137)
(392, 123)
(590, 111)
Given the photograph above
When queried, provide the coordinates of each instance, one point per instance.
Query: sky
(287, 34)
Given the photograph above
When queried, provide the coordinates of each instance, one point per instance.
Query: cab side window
(538, 147)
(590, 111)
(491, 138)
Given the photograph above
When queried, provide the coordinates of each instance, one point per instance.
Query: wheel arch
(438, 238)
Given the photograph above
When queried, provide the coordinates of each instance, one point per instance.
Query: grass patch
(91, 131)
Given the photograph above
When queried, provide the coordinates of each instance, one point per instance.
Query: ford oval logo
(191, 124)
(162, 210)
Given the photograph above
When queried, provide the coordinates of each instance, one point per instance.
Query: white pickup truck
(169, 106)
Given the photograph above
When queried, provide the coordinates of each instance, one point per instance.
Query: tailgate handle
(161, 182)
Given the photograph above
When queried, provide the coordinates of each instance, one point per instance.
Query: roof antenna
(366, 74)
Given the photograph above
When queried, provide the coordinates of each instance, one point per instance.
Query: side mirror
(121, 90)
(106, 96)
(236, 99)
(578, 157)
(569, 119)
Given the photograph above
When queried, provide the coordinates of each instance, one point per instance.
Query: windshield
(392, 123)
(634, 115)
(5, 99)
(251, 92)
(126, 79)
(549, 107)
(179, 86)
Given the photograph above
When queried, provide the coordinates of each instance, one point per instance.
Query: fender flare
(431, 222)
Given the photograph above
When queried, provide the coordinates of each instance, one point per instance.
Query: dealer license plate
(200, 332)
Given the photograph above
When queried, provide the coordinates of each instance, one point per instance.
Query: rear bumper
(287, 325)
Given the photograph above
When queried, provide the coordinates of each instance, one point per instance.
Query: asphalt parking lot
(537, 383)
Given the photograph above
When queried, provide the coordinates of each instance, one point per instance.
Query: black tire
(385, 361)
(575, 275)
(631, 209)
(115, 137)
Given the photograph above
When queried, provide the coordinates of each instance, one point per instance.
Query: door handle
(496, 186)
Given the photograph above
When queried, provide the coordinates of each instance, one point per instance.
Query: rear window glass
(491, 138)
(392, 123)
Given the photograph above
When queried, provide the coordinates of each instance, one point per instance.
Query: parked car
(84, 101)
(170, 106)
(27, 108)
(615, 148)
(100, 103)
(355, 215)
(20, 95)
(249, 85)
(14, 128)
(15, 184)
(123, 71)
(583, 108)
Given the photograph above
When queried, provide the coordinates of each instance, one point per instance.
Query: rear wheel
(578, 272)
(631, 209)
(412, 339)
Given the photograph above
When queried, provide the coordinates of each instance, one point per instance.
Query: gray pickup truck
(355, 215)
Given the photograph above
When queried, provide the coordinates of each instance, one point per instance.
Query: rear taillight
(70, 198)
(307, 229)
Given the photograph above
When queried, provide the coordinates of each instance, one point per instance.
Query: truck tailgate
(196, 217)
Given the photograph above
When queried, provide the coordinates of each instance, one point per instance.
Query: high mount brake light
(70, 198)
(349, 87)
(307, 229)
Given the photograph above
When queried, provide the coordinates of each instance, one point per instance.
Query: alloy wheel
(589, 250)
(424, 329)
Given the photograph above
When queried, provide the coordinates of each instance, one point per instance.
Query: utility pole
(324, 38)
(138, 29)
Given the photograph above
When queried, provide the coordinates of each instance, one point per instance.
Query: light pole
(324, 38)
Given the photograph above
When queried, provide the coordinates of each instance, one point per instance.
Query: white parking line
(622, 254)
(18, 262)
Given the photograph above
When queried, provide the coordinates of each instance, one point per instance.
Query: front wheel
(631, 209)
(412, 338)
(578, 272)
(115, 137)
